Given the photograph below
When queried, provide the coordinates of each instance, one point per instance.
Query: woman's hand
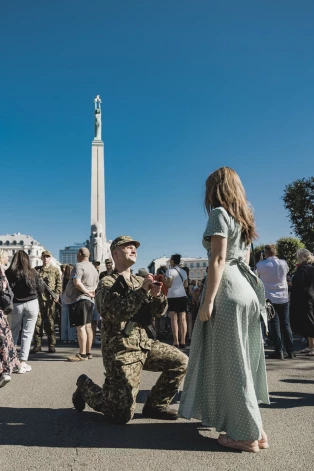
(206, 310)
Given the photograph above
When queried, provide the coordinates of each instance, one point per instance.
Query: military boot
(35, 349)
(77, 399)
(159, 412)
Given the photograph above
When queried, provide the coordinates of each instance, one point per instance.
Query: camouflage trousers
(46, 319)
(117, 398)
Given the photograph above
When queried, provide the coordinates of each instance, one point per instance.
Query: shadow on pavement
(289, 400)
(67, 428)
(295, 381)
(143, 393)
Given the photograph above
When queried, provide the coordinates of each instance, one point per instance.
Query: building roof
(20, 239)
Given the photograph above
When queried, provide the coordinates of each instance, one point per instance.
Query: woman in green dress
(226, 378)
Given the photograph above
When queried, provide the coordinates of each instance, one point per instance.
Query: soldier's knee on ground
(123, 417)
(180, 363)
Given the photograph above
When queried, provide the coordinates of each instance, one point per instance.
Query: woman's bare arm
(215, 269)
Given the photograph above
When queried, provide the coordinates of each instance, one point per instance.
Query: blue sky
(187, 87)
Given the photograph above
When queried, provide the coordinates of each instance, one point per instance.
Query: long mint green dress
(226, 377)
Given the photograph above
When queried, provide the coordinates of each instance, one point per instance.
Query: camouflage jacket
(116, 310)
(54, 280)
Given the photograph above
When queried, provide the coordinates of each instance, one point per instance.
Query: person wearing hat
(126, 346)
(47, 304)
(109, 269)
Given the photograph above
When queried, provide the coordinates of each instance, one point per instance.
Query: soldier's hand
(148, 282)
(155, 289)
(92, 294)
(56, 300)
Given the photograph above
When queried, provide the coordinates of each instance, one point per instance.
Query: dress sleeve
(218, 224)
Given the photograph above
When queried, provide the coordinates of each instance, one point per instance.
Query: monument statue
(97, 102)
(97, 242)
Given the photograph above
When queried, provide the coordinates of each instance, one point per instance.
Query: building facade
(67, 256)
(197, 266)
(11, 243)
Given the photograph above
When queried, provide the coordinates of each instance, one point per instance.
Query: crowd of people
(225, 377)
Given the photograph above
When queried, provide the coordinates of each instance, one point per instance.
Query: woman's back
(221, 223)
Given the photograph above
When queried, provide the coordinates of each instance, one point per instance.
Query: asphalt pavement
(40, 430)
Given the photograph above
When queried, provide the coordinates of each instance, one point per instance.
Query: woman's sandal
(251, 446)
(307, 350)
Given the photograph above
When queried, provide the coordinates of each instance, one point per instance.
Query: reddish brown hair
(224, 188)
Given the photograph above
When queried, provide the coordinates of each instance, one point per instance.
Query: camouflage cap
(121, 240)
(46, 252)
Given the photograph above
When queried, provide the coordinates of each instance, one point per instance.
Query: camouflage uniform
(47, 306)
(125, 357)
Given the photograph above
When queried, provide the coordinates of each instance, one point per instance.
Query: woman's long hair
(224, 188)
(66, 275)
(21, 269)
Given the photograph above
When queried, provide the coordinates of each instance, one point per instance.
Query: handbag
(270, 310)
(6, 296)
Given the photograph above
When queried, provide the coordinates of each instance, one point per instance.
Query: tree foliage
(299, 201)
(287, 248)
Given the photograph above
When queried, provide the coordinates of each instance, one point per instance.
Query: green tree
(287, 248)
(299, 201)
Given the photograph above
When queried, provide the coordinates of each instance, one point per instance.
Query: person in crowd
(142, 272)
(96, 315)
(161, 322)
(126, 347)
(160, 277)
(4, 259)
(226, 378)
(97, 266)
(176, 281)
(273, 273)
(26, 288)
(67, 332)
(8, 355)
(109, 269)
(302, 299)
(189, 308)
(47, 303)
(80, 294)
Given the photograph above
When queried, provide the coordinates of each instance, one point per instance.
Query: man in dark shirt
(109, 270)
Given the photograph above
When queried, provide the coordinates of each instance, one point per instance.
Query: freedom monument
(98, 245)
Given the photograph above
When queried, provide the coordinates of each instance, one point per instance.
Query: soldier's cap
(108, 260)
(46, 252)
(121, 240)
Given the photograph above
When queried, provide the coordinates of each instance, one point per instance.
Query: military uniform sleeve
(158, 306)
(58, 287)
(114, 307)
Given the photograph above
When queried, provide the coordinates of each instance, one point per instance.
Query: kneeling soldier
(126, 304)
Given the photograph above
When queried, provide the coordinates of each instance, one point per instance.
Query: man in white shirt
(176, 280)
(273, 273)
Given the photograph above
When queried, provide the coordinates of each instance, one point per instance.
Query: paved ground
(39, 429)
